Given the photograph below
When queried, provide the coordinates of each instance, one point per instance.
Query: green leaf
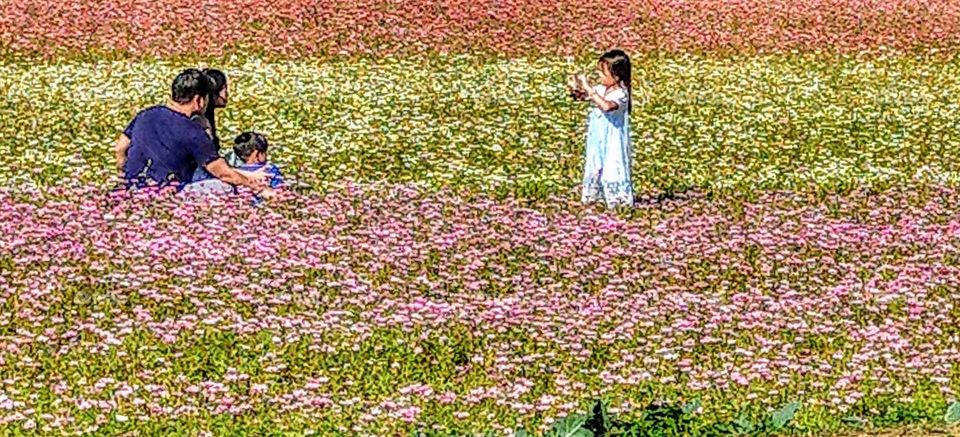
(784, 415)
(571, 426)
(743, 425)
(854, 421)
(521, 433)
(953, 414)
(691, 407)
(599, 422)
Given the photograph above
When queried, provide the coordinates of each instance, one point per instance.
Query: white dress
(609, 153)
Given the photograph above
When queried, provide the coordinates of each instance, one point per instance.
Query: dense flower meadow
(796, 240)
(793, 122)
(377, 309)
(298, 28)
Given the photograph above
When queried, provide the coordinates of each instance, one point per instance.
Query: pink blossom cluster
(512, 27)
(393, 307)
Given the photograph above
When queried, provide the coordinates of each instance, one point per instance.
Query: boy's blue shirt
(275, 181)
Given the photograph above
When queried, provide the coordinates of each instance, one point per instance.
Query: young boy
(251, 149)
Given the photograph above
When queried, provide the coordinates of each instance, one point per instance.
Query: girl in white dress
(609, 154)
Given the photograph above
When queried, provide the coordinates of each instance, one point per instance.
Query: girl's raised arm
(597, 99)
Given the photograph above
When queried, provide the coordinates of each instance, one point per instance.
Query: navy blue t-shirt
(166, 145)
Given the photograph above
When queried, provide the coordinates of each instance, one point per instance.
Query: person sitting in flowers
(218, 99)
(251, 149)
(163, 146)
(608, 156)
(208, 119)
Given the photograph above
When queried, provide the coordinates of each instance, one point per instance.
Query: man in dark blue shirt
(162, 144)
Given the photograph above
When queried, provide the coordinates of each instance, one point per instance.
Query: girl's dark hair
(219, 81)
(619, 64)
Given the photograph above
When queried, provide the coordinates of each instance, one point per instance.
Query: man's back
(165, 145)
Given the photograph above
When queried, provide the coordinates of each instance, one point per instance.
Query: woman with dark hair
(208, 120)
(218, 99)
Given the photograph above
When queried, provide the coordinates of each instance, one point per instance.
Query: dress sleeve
(204, 123)
(620, 97)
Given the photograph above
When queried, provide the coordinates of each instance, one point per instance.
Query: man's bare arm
(120, 148)
(221, 170)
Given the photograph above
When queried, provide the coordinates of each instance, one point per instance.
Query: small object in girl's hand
(573, 88)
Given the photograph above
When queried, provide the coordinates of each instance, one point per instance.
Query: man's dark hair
(189, 84)
(248, 142)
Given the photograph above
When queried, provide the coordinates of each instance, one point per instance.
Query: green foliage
(797, 122)
(666, 420)
(953, 414)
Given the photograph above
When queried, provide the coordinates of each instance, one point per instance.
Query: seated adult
(218, 100)
(208, 120)
(163, 145)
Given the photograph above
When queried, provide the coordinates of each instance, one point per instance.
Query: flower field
(296, 28)
(797, 238)
(794, 122)
(375, 308)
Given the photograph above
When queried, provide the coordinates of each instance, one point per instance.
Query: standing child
(606, 170)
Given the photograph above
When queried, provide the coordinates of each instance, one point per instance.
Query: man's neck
(183, 109)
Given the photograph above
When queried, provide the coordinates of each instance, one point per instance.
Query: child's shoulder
(277, 179)
(271, 168)
(268, 167)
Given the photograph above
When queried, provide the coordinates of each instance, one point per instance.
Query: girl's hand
(583, 82)
(573, 88)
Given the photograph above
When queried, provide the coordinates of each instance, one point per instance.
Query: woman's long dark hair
(619, 64)
(219, 82)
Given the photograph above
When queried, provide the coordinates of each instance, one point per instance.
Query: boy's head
(251, 147)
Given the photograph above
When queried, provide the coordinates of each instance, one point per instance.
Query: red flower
(511, 27)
